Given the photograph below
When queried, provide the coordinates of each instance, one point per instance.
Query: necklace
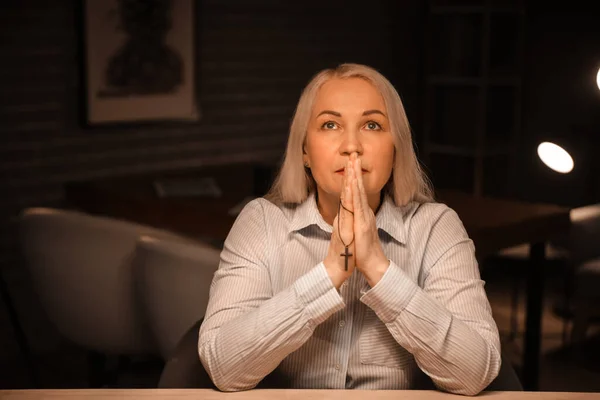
(346, 253)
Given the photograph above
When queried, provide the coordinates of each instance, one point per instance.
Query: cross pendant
(346, 254)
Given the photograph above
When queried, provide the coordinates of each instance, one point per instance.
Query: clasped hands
(355, 226)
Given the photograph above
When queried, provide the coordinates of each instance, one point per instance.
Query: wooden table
(493, 224)
(135, 198)
(261, 394)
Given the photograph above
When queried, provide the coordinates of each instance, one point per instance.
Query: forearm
(239, 353)
(460, 356)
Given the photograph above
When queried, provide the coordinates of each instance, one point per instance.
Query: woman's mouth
(341, 171)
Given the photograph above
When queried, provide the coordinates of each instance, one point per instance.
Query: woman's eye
(329, 125)
(373, 126)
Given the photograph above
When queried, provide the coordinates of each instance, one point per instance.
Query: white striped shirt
(273, 307)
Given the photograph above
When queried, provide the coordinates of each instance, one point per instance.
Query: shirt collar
(389, 218)
(307, 213)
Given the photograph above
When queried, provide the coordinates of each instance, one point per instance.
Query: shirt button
(338, 366)
(342, 323)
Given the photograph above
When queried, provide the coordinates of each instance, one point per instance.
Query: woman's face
(349, 116)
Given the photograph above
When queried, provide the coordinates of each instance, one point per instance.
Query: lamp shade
(555, 157)
(558, 167)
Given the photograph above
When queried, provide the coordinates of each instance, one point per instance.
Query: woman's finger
(343, 194)
(361, 185)
(361, 193)
(358, 208)
(348, 201)
(346, 218)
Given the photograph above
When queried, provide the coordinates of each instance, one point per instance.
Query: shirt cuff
(318, 295)
(390, 296)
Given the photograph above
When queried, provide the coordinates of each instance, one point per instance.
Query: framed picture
(139, 61)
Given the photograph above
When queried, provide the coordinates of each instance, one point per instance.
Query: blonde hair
(408, 182)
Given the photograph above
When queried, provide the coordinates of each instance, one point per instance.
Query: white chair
(173, 282)
(586, 300)
(584, 244)
(584, 237)
(81, 267)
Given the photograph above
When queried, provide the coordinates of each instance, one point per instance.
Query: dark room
(299, 198)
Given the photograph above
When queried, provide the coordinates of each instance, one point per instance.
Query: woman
(347, 274)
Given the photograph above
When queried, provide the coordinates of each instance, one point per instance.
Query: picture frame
(139, 62)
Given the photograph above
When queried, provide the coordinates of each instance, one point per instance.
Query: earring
(306, 165)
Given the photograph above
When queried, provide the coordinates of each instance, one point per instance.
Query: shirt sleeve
(447, 324)
(248, 330)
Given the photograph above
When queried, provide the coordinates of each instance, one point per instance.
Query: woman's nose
(351, 143)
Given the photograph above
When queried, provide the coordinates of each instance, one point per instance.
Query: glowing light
(555, 157)
(598, 78)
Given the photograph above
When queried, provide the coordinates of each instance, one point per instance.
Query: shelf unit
(473, 94)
